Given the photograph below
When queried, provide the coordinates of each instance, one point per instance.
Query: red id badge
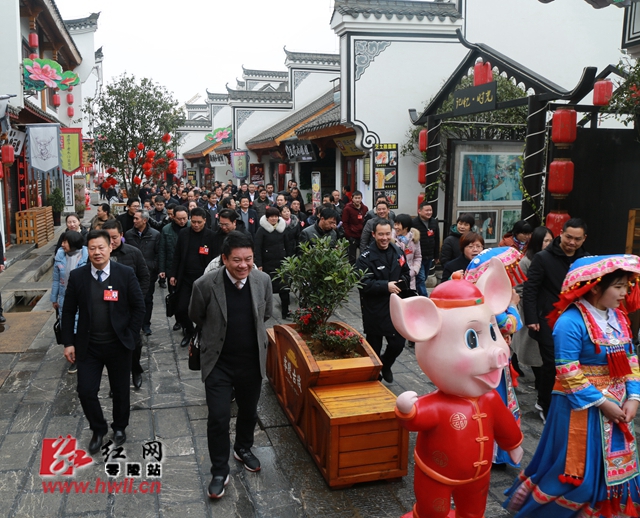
(111, 295)
(359, 216)
(203, 250)
(430, 232)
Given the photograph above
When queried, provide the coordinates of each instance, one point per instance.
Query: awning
(201, 150)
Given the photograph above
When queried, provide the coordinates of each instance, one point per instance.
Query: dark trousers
(117, 359)
(395, 344)
(136, 355)
(354, 245)
(247, 382)
(421, 278)
(182, 307)
(148, 300)
(546, 376)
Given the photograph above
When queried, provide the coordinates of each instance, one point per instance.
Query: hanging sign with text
(474, 99)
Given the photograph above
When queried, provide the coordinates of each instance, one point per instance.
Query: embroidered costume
(586, 465)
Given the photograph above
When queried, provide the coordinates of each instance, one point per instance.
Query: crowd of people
(241, 235)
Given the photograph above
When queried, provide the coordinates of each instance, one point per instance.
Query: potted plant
(56, 201)
(315, 362)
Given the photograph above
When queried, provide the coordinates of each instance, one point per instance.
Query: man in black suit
(111, 308)
(248, 216)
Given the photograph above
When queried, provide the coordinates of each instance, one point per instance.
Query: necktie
(99, 274)
(239, 285)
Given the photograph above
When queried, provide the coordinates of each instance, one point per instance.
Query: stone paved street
(38, 400)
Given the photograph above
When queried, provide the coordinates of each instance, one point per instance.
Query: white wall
(313, 86)
(11, 54)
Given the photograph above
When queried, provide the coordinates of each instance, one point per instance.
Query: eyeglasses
(475, 246)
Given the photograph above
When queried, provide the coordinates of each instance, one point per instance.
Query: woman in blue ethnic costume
(586, 463)
(508, 323)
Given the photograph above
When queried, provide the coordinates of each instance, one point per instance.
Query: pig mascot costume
(461, 350)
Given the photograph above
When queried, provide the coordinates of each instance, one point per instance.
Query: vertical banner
(316, 196)
(43, 147)
(71, 158)
(385, 178)
(256, 174)
(68, 191)
(239, 164)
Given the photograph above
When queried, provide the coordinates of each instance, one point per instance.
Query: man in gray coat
(230, 306)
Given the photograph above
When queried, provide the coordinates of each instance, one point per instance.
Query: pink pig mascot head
(460, 348)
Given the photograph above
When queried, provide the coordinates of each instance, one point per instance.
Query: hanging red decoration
(146, 166)
(70, 111)
(33, 40)
(564, 127)
(137, 180)
(111, 170)
(69, 98)
(207, 171)
(282, 169)
(171, 154)
(147, 172)
(105, 185)
(33, 56)
(1, 173)
(422, 173)
(421, 198)
(8, 154)
(602, 92)
(423, 140)
(56, 100)
(555, 221)
(151, 153)
(132, 154)
(70, 88)
(166, 138)
(560, 182)
(482, 73)
(140, 146)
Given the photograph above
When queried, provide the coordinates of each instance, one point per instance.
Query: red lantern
(563, 127)
(1, 173)
(56, 100)
(282, 169)
(422, 173)
(207, 171)
(150, 154)
(166, 138)
(482, 73)
(69, 98)
(602, 92)
(132, 154)
(146, 166)
(70, 111)
(140, 146)
(70, 88)
(560, 177)
(33, 56)
(33, 40)
(556, 220)
(171, 154)
(8, 154)
(137, 180)
(423, 140)
(105, 186)
(421, 198)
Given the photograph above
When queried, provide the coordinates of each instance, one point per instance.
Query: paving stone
(91, 500)
(42, 391)
(178, 483)
(38, 504)
(171, 422)
(30, 417)
(51, 370)
(9, 404)
(16, 381)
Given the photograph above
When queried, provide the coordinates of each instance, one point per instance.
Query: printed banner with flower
(220, 135)
(42, 73)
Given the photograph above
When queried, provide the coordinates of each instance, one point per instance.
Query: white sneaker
(544, 419)
(537, 407)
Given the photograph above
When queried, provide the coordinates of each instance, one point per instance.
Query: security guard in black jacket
(130, 256)
(387, 272)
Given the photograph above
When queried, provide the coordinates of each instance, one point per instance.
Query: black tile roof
(90, 21)
(326, 120)
(259, 96)
(398, 8)
(312, 58)
(266, 74)
(217, 97)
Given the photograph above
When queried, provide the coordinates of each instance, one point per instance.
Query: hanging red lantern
(33, 40)
(207, 171)
(422, 173)
(70, 111)
(69, 98)
(140, 146)
(166, 138)
(555, 221)
(171, 154)
(602, 92)
(151, 153)
(70, 88)
(132, 154)
(56, 100)
(421, 198)
(105, 186)
(560, 181)
(1, 173)
(146, 166)
(8, 154)
(482, 73)
(33, 56)
(282, 169)
(564, 127)
(137, 180)
(423, 140)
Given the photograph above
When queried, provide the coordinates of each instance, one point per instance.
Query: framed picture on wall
(488, 173)
(486, 223)
(509, 218)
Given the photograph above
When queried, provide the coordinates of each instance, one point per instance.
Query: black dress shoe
(185, 341)
(136, 377)
(2, 319)
(96, 443)
(119, 437)
(387, 374)
(177, 327)
(216, 486)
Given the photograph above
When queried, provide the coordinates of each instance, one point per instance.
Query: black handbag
(57, 329)
(170, 301)
(194, 352)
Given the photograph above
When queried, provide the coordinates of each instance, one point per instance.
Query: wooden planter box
(293, 372)
(34, 226)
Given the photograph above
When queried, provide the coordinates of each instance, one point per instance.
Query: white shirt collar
(234, 280)
(610, 321)
(106, 271)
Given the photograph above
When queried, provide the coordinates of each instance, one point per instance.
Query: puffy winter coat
(412, 252)
(272, 245)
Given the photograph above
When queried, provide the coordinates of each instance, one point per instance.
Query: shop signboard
(256, 174)
(316, 197)
(217, 160)
(239, 164)
(347, 146)
(474, 99)
(385, 177)
(16, 139)
(68, 190)
(300, 151)
(70, 150)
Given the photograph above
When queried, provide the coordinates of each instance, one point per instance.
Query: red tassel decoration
(605, 509)
(632, 300)
(514, 375)
(627, 433)
(618, 363)
(630, 508)
(615, 506)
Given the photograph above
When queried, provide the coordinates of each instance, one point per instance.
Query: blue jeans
(421, 278)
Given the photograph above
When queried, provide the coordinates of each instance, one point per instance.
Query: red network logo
(60, 457)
